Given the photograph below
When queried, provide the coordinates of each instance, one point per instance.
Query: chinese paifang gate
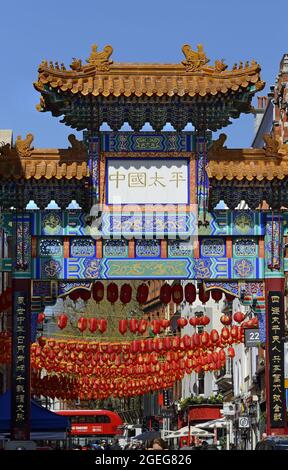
(178, 178)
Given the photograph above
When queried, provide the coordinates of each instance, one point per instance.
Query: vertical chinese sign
(20, 400)
(276, 358)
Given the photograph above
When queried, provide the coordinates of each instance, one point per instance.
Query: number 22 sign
(252, 338)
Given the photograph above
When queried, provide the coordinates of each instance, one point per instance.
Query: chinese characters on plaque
(21, 369)
(149, 181)
(276, 358)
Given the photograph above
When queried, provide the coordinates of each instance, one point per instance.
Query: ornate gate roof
(104, 91)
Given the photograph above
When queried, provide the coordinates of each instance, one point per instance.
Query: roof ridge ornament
(77, 146)
(23, 146)
(194, 60)
(100, 60)
(218, 144)
(274, 147)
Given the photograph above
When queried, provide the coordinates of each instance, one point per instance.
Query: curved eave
(134, 85)
(45, 164)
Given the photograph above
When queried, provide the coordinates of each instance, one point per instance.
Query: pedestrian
(204, 445)
(115, 445)
(157, 444)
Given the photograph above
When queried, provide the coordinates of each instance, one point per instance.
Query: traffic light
(166, 401)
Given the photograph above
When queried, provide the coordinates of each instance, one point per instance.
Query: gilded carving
(194, 60)
(77, 146)
(219, 65)
(100, 59)
(272, 144)
(76, 64)
(218, 144)
(23, 146)
(41, 105)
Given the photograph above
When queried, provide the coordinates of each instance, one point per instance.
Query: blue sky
(139, 31)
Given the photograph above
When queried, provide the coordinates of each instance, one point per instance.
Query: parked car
(273, 443)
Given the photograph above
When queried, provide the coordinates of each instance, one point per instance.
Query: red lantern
(214, 336)
(167, 343)
(205, 338)
(142, 326)
(102, 325)
(177, 293)
(205, 320)
(229, 297)
(133, 325)
(238, 317)
(135, 345)
(41, 317)
(216, 295)
(62, 321)
(142, 293)
(190, 293)
(123, 325)
(226, 320)
(125, 293)
(203, 296)
(75, 295)
(85, 294)
(112, 292)
(193, 321)
(225, 333)
(182, 322)
(222, 355)
(98, 291)
(186, 341)
(231, 352)
(196, 339)
(82, 324)
(164, 323)
(156, 326)
(165, 293)
(234, 332)
(93, 324)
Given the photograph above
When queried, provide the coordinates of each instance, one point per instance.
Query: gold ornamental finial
(218, 145)
(76, 64)
(100, 59)
(220, 66)
(194, 60)
(23, 146)
(77, 146)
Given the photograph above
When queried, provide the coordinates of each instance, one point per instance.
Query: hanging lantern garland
(100, 370)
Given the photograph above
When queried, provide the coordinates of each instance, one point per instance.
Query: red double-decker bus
(92, 424)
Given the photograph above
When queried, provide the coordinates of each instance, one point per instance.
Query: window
(90, 419)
